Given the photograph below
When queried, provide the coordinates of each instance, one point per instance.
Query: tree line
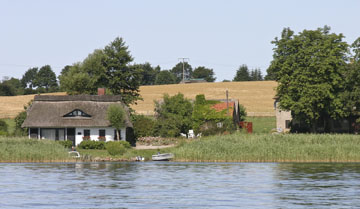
(110, 67)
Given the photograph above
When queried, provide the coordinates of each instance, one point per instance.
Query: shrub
(92, 145)
(115, 148)
(3, 126)
(143, 125)
(66, 144)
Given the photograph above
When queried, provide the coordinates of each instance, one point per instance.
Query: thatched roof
(48, 111)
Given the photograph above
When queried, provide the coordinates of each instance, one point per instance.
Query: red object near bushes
(248, 126)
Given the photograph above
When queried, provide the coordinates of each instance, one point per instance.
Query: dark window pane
(86, 132)
(102, 132)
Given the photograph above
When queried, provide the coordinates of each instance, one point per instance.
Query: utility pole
(183, 61)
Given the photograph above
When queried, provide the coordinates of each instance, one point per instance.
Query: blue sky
(220, 35)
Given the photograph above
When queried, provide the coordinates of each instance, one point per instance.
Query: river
(180, 185)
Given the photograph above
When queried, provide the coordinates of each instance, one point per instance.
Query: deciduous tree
(205, 73)
(309, 68)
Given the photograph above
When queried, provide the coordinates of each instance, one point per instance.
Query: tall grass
(271, 148)
(29, 150)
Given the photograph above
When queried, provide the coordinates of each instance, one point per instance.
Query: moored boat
(162, 157)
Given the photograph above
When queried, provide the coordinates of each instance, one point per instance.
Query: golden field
(256, 96)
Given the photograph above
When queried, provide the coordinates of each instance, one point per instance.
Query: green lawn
(262, 124)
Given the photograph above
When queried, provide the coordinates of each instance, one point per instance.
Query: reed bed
(16, 150)
(271, 148)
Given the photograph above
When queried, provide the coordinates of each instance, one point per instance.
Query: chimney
(101, 91)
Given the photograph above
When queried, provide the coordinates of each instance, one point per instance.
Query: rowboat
(162, 157)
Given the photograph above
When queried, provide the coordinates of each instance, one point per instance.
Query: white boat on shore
(162, 157)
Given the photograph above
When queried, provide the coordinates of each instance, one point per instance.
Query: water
(180, 185)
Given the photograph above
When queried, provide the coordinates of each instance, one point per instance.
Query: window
(87, 132)
(102, 132)
(77, 113)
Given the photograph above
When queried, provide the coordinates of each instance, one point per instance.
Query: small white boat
(74, 154)
(163, 157)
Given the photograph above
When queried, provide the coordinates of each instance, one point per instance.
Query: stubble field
(256, 96)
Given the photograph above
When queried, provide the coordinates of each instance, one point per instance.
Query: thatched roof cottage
(75, 118)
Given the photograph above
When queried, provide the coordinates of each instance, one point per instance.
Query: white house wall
(94, 134)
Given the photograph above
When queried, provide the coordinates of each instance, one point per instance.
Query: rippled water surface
(180, 185)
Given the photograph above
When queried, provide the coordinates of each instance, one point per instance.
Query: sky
(221, 35)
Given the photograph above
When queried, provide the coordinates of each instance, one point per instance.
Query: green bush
(3, 126)
(143, 125)
(66, 144)
(115, 148)
(92, 145)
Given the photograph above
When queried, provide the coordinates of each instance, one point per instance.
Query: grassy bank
(271, 148)
(28, 150)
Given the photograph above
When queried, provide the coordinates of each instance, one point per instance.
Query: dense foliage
(204, 73)
(143, 125)
(89, 144)
(310, 69)
(173, 116)
(108, 67)
(117, 148)
(243, 74)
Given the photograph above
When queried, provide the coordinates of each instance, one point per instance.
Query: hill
(256, 96)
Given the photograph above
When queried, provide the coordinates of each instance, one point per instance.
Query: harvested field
(256, 96)
(12, 105)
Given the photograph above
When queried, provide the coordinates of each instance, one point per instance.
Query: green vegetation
(173, 116)
(143, 125)
(89, 144)
(262, 125)
(29, 150)
(116, 116)
(318, 78)
(116, 148)
(271, 148)
(243, 74)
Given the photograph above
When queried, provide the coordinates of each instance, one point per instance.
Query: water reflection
(318, 185)
(179, 185)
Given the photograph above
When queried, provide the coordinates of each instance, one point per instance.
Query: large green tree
(351, 95)
(85, 77)
(242, 74)
(309, 68)
(109, 67)
(148, 73)
(121, 78)
(205, 73)
(177, 70)
(46, 78)
(28, 79)
(165, 77)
